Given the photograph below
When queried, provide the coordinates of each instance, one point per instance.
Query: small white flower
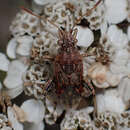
(85, 36)
(110, 100)
(116, 10)
(106, 120)
(34, 110)
(4, 62)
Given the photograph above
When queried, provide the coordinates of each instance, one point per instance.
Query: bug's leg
(94, 97)
(47, 57)
(48, 86)
(89, 11)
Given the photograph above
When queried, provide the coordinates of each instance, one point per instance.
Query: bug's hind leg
(90, 91)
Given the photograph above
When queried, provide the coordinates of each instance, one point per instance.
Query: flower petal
(117, 37)
(85, 36)
(14, 75)
(24, 45)
(121, 57)
(4, 62)
(13, 119)
(116, 10)
(11, 48)
(112, 79)
(34, 110)
(110, 100)
(124, 90)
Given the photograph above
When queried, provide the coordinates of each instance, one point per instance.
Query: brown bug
(68, 64)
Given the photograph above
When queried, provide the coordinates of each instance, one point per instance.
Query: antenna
(88, 13)
(38, 16)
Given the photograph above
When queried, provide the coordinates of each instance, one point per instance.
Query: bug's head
(67, 39)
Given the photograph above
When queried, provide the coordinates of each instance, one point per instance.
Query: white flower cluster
(107, 120)
(35, 79)
(77, 119)
(29, 66)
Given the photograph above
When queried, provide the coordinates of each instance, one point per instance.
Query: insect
(68, 64)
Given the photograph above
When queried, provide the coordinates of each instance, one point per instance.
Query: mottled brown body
(68, 64)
